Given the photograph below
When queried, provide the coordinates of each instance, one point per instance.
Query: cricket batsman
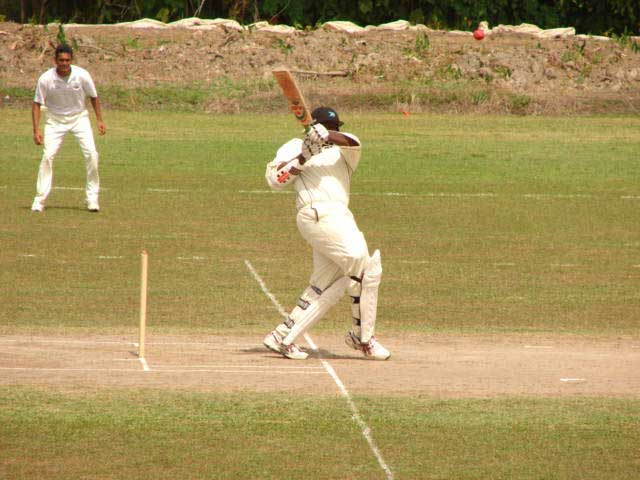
(319, 168)
(63, 90)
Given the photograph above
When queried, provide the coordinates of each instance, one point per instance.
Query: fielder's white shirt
(326, 177)
(65, 96)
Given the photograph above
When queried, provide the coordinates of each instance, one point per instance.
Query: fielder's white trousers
(339, 247)
(56, 127)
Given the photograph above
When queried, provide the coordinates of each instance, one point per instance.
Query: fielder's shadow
(83, 209)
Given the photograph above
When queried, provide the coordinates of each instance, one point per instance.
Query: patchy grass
(16, 95)
(519, 104)
(192, 98)
(445, 92)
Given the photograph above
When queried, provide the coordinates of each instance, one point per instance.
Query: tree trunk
(23, 11)
(43, 11)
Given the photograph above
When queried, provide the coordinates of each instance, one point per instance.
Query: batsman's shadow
(320, 354)
(254, 350)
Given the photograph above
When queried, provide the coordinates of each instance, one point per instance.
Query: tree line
(597, 17)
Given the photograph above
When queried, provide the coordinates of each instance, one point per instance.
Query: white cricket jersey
(65, 96)
(326, 177)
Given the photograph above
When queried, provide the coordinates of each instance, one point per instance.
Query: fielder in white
(319, 168)
(62, 90)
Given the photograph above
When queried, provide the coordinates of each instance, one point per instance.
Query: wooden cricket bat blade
(294, 97)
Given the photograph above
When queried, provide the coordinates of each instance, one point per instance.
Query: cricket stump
(143, 302)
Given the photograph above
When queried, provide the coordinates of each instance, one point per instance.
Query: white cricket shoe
(371, 350)
(273, 341)
(37, 207)
(93, 206)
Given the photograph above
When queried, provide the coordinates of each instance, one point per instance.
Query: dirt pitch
(445, 366)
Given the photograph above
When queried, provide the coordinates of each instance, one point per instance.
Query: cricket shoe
(93, 207)
(273, 341)
(370, 350)
(37, 207)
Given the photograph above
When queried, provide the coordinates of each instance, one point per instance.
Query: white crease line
(220, 346)
(536, 196)
(388, 194)
(261, 192)
(38, 369)
(366, 431)
(556, 195)
(411, 262)
(145, 365)
(355, 414)
(266, 367)
(455, 195)
(85, 342)
(573, 380)
(273, 371)
(264, 288)
(211, 344)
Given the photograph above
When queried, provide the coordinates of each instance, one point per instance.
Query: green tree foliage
(588, 16)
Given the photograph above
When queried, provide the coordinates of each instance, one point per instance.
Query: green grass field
(487, 225)
(153, 435)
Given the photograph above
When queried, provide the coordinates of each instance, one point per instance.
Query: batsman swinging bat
(294, 96)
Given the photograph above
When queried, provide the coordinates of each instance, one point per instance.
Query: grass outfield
(486, 225)
(158, 435)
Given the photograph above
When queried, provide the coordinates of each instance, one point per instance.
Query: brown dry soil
(444, 366)
(411, 70)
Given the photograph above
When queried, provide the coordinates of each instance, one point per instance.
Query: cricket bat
(292, 93)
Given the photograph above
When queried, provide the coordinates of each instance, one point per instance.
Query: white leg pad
(317, 305)
(369, 297)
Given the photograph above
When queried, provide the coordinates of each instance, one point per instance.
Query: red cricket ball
(478, 34)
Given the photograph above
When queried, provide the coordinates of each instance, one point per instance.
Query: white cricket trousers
(339, 247)
(56, 127)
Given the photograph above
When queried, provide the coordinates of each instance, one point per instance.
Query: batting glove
(318, 134)
(309, 149)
